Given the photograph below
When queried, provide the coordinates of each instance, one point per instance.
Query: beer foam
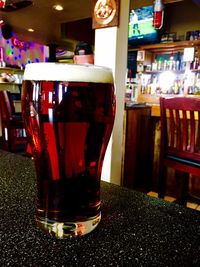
(67, 72)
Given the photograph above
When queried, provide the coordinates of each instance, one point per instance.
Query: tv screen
(141, 30)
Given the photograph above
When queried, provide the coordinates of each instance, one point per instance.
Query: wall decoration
(20, 44)
(105, 13)
(20, 53)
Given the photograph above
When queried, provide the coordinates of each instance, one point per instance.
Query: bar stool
(13, 132)
(180, 143)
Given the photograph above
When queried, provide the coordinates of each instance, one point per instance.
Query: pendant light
(2, 3)
(158, 14)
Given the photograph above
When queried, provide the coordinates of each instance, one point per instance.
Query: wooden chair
(13, 132)
(180, 143)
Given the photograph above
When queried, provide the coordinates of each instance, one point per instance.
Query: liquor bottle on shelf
(160, 65)
(197, 84)
(195, 64)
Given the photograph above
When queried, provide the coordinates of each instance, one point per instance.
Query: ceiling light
(30, 30)
(58, 7)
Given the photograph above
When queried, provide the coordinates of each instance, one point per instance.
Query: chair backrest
(180, 127)
(6, 105)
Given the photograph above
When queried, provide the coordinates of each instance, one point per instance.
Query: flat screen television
(140, 28)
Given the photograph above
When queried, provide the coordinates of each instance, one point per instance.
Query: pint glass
(68, 112)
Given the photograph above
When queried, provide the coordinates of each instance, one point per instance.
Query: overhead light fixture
(158, 14)
(58, 7)
(2, 3)
(30, 30)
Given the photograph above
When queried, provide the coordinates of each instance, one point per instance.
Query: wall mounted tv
(140, 28)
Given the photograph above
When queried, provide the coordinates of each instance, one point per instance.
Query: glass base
(68, 229)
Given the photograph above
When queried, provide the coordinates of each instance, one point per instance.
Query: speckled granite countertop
(136, 230)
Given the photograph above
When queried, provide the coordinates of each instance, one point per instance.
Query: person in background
(83, 53)
(134, 22)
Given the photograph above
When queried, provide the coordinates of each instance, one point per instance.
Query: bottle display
(168, 73)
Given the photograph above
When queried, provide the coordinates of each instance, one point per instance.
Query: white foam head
(67, 72)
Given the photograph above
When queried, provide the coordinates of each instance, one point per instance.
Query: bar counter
(135, 230)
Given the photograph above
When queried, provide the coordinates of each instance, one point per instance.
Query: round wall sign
(104, 11)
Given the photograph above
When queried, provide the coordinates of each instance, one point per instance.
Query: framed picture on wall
(105, 13)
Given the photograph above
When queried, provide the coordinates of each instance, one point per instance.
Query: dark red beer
(68, 123)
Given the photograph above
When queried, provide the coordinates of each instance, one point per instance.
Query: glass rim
(56, 71)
